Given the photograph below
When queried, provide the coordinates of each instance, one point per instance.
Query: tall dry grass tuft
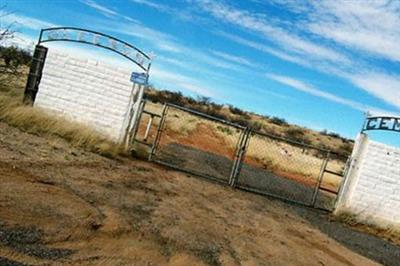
(40, 122)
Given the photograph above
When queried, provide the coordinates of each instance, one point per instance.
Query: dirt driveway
(62, 205)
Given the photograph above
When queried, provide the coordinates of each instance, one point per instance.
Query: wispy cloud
(312, 90)
(257, 23)
(233, 58)
(370, 29)
(381, 85)
(155, 5)
(369, 26)
(24, 21)
(102, 9)
(179, 81)
(265, 48)
(106, 11)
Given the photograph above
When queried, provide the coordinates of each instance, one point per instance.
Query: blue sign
(140, 78)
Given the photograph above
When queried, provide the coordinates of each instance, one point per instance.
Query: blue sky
(319, 64)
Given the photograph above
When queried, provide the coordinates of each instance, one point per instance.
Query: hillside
(272, 125)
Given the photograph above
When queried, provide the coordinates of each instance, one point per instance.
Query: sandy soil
(62, 205)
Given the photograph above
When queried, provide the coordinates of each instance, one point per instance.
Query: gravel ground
(251, 177)
(57, 201)
(7, 262)
(29, 241)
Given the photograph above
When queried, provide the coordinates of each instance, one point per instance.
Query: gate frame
(239, 150)
(240, 153)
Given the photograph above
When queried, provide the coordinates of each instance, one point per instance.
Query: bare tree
(6, 31)
(12, 58)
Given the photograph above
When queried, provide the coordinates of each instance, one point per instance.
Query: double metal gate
(225, 152)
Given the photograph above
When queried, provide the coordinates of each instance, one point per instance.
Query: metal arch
(64, 37)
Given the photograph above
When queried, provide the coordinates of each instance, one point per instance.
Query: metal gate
(207, 146)
(290, 170)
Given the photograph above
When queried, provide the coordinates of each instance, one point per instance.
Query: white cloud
(233, 58)
(310, 89)
(167, 43)
(369, 26)
(21, 40)
(380, 85)
(102, 9)
(266, 49)
(157, 6)
(259, 24)
(179, 82)
(23, 21)
(108, 12)
(366, 27)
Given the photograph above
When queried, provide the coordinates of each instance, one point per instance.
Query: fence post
(135, 130)
(320, 177)
(344, 177)
(146, 134)
(235, 162)
(239, 155)
(159, 130)
(35, 74)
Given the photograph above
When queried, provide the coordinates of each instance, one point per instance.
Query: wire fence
(281, 168)
(222, 151)
(197, 143)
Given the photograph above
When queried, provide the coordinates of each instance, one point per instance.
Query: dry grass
(41, 122)
(377, 227)
(275, 156)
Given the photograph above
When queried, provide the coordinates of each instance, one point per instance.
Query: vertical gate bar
(321, 175)
(239, 145)
(139, 119)
(344, 177)
(245, 147)
(241, 155)
(146, 134)
(159, 130)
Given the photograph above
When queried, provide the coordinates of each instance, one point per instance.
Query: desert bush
(334, 135)
(238, 111)
(278, 121)
(203, 100)
(14, 57)
(297, 134)
(240, 121)
(225, 130)
(255, 125)
(345, 148)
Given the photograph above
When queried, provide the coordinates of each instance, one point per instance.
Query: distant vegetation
(263, 123)
(14, 61)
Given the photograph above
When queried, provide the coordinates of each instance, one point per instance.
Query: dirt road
(67, 206)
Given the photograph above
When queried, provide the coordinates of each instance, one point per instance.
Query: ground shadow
(250, 178)
(218, 166)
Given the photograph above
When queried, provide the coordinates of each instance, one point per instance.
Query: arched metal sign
(382, 123)
(72, 34)
(78, 35)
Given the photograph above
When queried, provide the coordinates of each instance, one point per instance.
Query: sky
(318, 64)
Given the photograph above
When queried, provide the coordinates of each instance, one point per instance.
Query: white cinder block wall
(372, 189)
(96, 94)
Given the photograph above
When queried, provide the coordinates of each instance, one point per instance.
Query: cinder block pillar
(35, 74)
(346, 191)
